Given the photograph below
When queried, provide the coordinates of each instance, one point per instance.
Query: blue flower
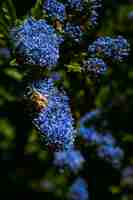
(90, 135)
(120, 48)
(54, 120)
(127, 178)
(37, 43)
(72, 159)
(95, 65)
(112, 154)
(82, 6)
(127, 172)
(79, 190)
(76, 4)
(94, 11)
(105, 143)
(108, 139)
(74, 31)
(55, 9)
(89, 116)
(93, 137)
(115, 48)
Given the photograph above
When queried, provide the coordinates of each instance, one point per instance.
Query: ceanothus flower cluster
(95, 65)
(106, 145)
(73, 31)
(115, 48)
(55, 9)
(95, 5)
(76, 4)
(79, 190)
(37, 43)
(72, 159)
(53, 119)
(72, 15)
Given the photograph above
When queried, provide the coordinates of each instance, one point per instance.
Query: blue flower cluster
(95, 5)
(72, 159)
(89, 116)
(106, 146)
(127, 172)
(90, 135)
(74, 31)
(54, 120)
(79, 190)
(95, 65)
(111, 153)
(76, 4)
(37, 43)
(55, 9)
(67, 14)
(116, 48)
(126, 181)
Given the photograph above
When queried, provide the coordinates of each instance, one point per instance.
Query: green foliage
(7, 17)
(37, 10)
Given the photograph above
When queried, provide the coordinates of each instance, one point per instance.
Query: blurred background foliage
(25, 165)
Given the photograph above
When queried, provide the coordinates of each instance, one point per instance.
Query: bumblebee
(39, 101)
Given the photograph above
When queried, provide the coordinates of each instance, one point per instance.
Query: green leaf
(13, 73)
(3, 30)
(6, 95)
(37, 10)
(13, 62)
(11, 9)
(7, 15)
(7, 19)
(74, 67)
(102, 96)
(127, 138)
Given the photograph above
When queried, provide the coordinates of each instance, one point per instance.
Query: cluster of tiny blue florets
(90, 135)
(55, 9)
(89, 115)
(106, 146)
(76, 4)
(73, 31)
(111, 153)
(65, 12)
(95, 65)
(72, 159)
(127, 179)
(55, 121)
(128, 171)
(95, 5)
(37, 42)
(116, 48)
(79, 190)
